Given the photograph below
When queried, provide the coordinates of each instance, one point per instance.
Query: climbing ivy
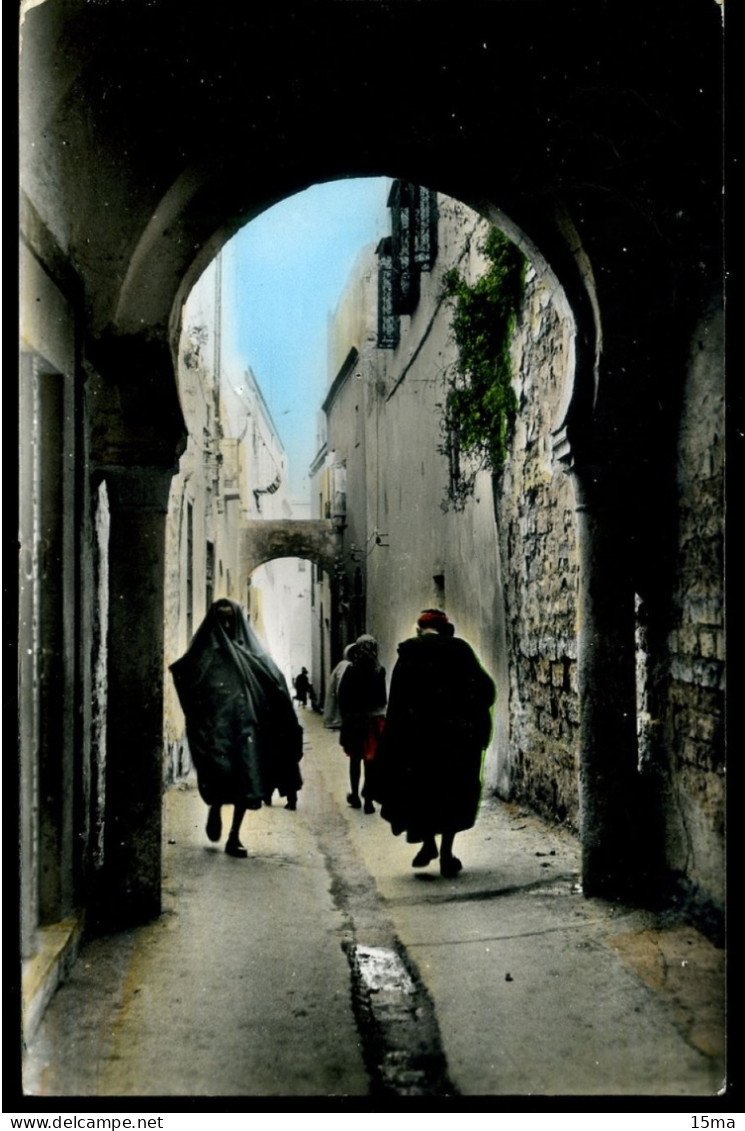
(481, 404)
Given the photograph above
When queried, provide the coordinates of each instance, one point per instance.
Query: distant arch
(318, 540)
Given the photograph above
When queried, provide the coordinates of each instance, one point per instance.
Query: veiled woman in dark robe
(429, 762)
(244, 736)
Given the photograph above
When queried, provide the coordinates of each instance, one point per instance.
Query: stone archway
(151, 131)
(318, 540)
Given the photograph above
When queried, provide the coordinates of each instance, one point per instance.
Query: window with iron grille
(410, 249)
(401, 202)
(388, 325)
(425, 228)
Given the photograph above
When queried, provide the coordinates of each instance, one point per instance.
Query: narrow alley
(324, 966)
(517, 415)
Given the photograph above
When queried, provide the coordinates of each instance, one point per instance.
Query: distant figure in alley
(428, 776)
(244, 736)
(303, 688)
(362, 702)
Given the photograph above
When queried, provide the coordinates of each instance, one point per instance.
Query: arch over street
(151, 132)
(318, 540)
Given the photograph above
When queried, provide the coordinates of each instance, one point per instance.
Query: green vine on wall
(480, 405)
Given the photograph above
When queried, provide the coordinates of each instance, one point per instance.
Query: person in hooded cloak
(438, 724)
(331, 713)
(244, 736)
(362, 703)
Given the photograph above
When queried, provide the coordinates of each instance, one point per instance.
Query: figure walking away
(331, 715)
(438, 724)
(362, 703)
(302, 688)
(244, 736)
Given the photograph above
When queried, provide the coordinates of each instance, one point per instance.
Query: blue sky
(283, 274)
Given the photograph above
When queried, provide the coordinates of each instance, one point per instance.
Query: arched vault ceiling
(152, 129)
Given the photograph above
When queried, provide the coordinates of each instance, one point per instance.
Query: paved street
(324, 965)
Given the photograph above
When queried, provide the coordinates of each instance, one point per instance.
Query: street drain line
(401, 1041)
(399, 1035)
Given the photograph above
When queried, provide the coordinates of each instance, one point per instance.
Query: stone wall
(693, 725)
(537, 533)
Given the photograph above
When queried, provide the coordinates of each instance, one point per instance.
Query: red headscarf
(436, 619)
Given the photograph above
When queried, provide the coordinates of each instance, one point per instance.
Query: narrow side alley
(324, 966)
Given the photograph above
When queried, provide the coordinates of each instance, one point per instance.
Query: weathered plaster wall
(348, 442)
(358, 535)
(353, 323)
